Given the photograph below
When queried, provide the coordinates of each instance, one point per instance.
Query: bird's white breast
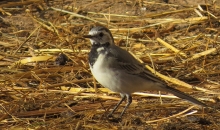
(105, 75)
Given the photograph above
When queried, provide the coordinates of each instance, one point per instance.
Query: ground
(45, 81)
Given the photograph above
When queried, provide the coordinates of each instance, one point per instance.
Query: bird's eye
(101, 34)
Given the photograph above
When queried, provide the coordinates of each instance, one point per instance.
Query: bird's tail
(184, 96)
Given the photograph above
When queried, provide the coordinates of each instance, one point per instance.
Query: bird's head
(100, 36)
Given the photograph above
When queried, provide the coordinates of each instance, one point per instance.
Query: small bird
(117, 70)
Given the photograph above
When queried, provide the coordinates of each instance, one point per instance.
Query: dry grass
(181, 42)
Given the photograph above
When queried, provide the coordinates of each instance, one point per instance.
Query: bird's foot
(113, 119)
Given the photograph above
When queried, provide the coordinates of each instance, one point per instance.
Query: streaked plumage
(116, 69)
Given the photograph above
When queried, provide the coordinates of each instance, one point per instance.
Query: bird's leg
(115, 108)
(129, 101)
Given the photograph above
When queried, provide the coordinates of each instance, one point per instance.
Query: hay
(179, 43)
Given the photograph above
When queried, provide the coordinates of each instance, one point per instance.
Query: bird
(119, 71)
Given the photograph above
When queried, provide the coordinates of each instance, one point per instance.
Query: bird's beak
(88, 36)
